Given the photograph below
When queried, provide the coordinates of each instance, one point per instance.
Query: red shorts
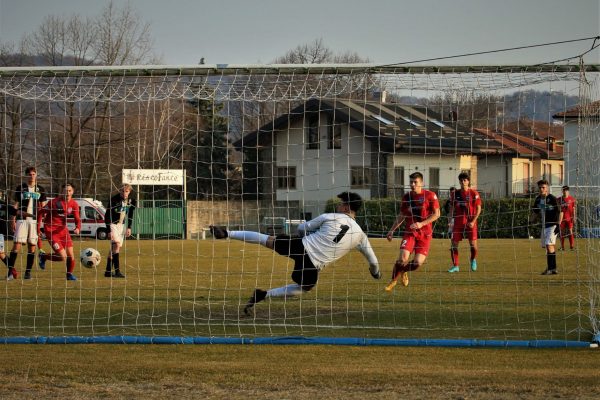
(566, 224)
(420, 244)
(460, 232)
(60, 240)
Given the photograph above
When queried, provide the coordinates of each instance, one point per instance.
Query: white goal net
(264, 148)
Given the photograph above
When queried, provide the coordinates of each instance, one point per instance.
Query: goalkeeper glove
(375, 272)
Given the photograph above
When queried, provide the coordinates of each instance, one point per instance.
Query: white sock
(286, 291)
(249, 236)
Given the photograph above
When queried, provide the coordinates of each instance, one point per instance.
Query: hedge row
(500, 218)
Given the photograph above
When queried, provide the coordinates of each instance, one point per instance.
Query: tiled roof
(591, 110)
(536, 128)
(522, 145)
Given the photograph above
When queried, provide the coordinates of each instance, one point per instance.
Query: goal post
(244, 144)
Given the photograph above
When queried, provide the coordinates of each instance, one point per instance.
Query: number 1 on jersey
(343, 230)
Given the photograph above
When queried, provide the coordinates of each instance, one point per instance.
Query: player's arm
(367, 251)
(311, 226)
(431, 218)
(396, 225)
(41, 213)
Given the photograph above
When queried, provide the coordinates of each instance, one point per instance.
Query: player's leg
(305, 274)
(245, 236)
(550, 241)
(20, 238)
(474, 250)
(456, 238)
(32, 240)
(571, 236)
(113, 260)
(70, 256)
(401, 265)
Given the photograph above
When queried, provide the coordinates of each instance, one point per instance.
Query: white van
(91, 213)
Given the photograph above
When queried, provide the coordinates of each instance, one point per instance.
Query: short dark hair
(565, 187)
(464, 175)
(29, 169)
(452, 189)
(542, 182)
(353, 200)
(416, 175)
(64, 185)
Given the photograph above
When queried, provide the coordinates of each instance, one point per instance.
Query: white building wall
(324, 173)
(493, 174)
(449, 166)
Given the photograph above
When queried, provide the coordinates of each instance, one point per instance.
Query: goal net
(264, 148)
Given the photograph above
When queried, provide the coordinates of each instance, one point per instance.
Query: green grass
(198, 288)
(293, 372)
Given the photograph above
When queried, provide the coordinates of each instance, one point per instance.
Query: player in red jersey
(54, 215)
(465, 211)
(568, 205)
(420, 208)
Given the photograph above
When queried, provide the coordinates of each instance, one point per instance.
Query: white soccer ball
(90, 257)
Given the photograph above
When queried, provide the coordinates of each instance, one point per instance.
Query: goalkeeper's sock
(286, 291)
(115, 261)
(249, 236)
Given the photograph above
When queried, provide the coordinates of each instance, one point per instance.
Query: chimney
(381, 96)
(551, 143)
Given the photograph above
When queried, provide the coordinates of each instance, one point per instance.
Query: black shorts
(305, 273)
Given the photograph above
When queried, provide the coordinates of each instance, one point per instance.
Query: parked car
(91, 213)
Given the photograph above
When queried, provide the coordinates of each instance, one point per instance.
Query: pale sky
(385, 31)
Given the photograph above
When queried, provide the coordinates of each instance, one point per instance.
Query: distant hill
(529, 104)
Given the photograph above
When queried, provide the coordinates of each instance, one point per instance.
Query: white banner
(154, 176)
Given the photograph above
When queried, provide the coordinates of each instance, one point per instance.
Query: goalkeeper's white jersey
(331, 236)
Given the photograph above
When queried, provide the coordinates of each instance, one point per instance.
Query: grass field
(197, 288)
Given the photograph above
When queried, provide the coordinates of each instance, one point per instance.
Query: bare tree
(80, 134)
(15, 115)
(250, 115)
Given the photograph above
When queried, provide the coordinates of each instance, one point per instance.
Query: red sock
(70, 265)
(571, 241)
(473, 253)
(562, 241)
(454, 256)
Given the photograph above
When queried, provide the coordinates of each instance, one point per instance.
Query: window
(399, 176)
(526, 179)
(334, 136)
(434, 179)
(286, 177)
(561, 174)
(547, 173)
(360, 177)
(312, 132)
(397, 189)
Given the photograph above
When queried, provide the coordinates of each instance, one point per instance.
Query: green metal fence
(160, 219)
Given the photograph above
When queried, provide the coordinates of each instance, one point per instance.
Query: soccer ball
(90, 258)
